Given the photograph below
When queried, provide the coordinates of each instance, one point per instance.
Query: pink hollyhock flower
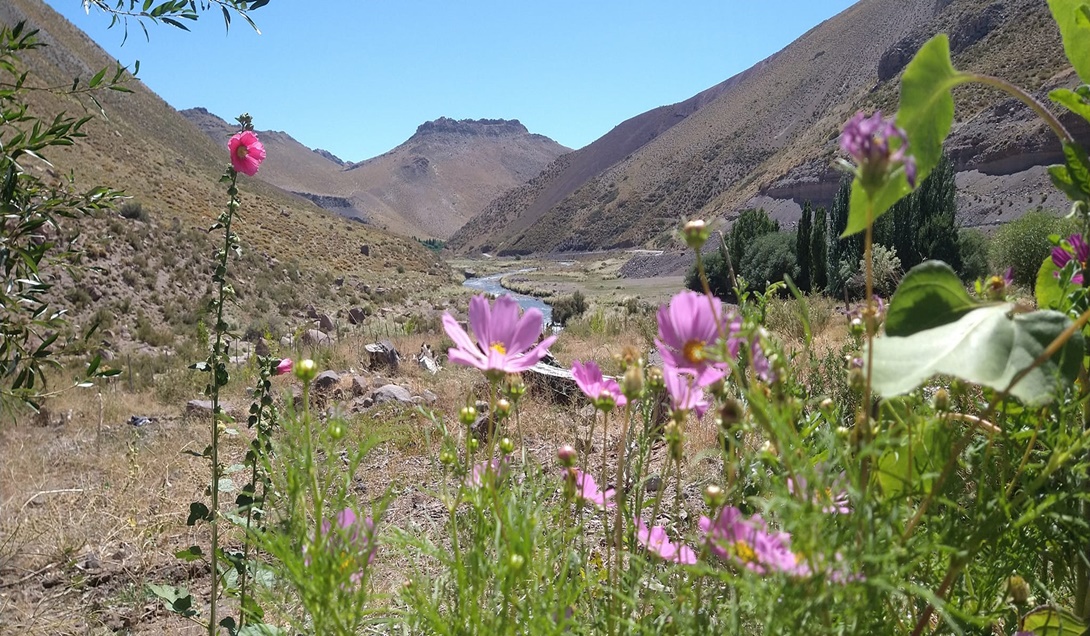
(586, 489)
(505, 341)
(247, 153)
(748, 543)
(685, 391)
(657, 543)
(283, 367)
(351, 543)
(1074, 248)
(604, 393)
(867, 141)
(687, 327)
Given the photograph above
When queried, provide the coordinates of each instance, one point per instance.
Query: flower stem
(1027, 99)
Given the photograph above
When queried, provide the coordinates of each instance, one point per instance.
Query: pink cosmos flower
(247, 153)
(505, 341)
(351, 543)
(688, 326)
(600, 390)
(499, 468)
(658, 543)
(686, 393)
(586, 489)
(1074, 248)
(762, 368)
(867, 141)
(748, 543)
(283, 367)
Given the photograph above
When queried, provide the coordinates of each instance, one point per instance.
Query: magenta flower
(283, 367)
(247, 153)
(685, 391)
(586, 489)
(505, 341)
(748, 543)
(658, 543)
(1074, 248)
(762, 368)
(867, 141)
(833, 499)
(481, 470)
(351, 543)
(604, 393)
(687, 327)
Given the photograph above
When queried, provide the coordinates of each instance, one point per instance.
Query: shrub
(973, 245)
(768, 258)
(567, 308)
(133, 210)
(719, 282)
(1023, 244)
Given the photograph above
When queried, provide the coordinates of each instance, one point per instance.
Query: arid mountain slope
(155, 268)
(427, 187)
(768, 135)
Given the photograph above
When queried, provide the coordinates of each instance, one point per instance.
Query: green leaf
(1078, 167)
(930, 295)
(198, 512)
(178, 599)
(192, 553)
(1061, 178)
(916, 462)
(1047, 290)
(1072, 101)
(1049, 621)
(1074, 21)
(988, 346)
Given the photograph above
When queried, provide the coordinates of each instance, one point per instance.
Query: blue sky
(356, 77)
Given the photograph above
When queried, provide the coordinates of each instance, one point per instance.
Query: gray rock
(360, 385)
(357, 315)
(392, 393)
(383, 354)
(429, 397)
(315, 337)
(327, 380)
(285, 341)
(262, 347)
(312, 313)
(365, 250)
(325, 323)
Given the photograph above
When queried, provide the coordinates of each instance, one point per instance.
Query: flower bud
(566, 455)
(473, 444)
(826, 406)
(336, 430)
(447, 457)
(695, 233)
(507, 446)
(632, 382)
(503, 407)
(941, 401)
(515, 387)
(467, 415)
(1018, 589)
(306, 370)
(655, 381)
(714, 497)
(856, 379)
(856, 327)
(605, 402)
(516, 561)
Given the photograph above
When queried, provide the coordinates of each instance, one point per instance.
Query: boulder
(392, 393)
(314, 337)
(383, 354)
(357, 315)
(360, 385)
(326, 380)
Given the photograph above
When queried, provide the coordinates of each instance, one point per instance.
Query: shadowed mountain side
(769, 134)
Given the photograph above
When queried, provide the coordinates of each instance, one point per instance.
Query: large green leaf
(1049, 621)
(930, 295)
(1047, 290)
(989, 345)
(926, 113)
(1073, 101)
(1073, 18)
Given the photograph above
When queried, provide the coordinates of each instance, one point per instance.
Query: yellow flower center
(242, 151)
(499, 348)
(693, 351)
(744, 552)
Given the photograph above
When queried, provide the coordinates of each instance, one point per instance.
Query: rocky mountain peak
(472, 127)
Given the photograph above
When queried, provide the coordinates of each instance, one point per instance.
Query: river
(491, 285)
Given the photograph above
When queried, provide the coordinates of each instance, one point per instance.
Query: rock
(360, 404)
(140, 421)
(357, 315)
(367, 289)
(315, 337)
(429, 397)
(365, 250)
(392, 393)
(312, 313)
(383, 354)
(360, 385)
(327, 380)
(262, 347)
(285, 341)
(198, 407)
(325, 323)
(338, 281)
(652, 484)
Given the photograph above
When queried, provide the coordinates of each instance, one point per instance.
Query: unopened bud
(447, 457)
(826, 405)
(1018, 589)
(507, 446)
(503, 407)
(473, 444)
(856, 379)
(467, 416)
(695, 233)
(566, 455)
(655, 381)
(306, 370)
(857, 327)
(632, 383)
(941, 401)
(672, 432)
(517, 561)
(515, 387)
(714, 497)
(336, 430)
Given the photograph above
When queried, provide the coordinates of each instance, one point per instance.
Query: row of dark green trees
(921, 226)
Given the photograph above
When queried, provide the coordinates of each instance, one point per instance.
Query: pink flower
(586, 489)
(351, 543)
(505, 341)
(748, 543)
(604, 393)
(481, 470)
(685, 392)
(657, 543)
(283, 367)
(247, 153)
(687, 327)
(1074, 248)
